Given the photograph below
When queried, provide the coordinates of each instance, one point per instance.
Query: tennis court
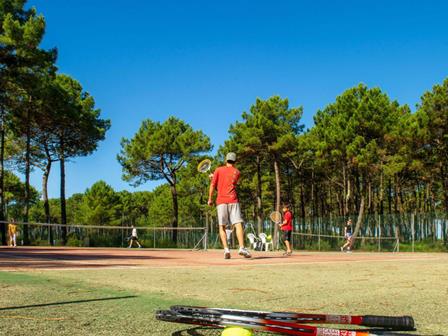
(111, 291)
(44, 258)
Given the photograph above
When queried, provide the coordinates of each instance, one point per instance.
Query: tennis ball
(269, 237)
(236, 331)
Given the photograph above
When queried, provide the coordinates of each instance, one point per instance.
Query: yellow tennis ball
(269, 237)
(236, 331)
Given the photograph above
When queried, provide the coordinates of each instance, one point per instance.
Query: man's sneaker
(342, 249)
(244, 252)
(226, 254)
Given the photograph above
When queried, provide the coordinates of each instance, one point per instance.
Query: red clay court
(57, 258)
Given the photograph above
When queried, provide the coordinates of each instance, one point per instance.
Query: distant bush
(428, 245)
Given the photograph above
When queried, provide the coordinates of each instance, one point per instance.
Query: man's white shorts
(229, 214)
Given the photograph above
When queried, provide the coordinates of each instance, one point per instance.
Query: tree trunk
(277, 199)
(26, 239)
(399, 195)
(445, 184)
(2, 178)
(259, 199)
(302, 206)
(62, 200)
(45, 195)
(348, 197)
(389, 196)
(381, 196)
(174, 221)
(312, 203)
(360, 218)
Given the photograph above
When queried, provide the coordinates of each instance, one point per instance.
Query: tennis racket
(204, 166)
(274, 326)
(276, 217)
(386, 322)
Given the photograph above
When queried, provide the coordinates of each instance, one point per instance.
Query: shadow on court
(82, 257)
(68, 302)
(51, 258)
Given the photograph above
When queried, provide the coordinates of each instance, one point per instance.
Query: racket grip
(389, 322)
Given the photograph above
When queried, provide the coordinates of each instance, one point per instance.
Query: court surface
(48, 258)
(116, 291)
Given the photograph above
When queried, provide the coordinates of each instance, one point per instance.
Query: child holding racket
(286, 227)
(225, 179)
(347, 235)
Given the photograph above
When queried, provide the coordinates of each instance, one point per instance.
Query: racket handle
(389, 322)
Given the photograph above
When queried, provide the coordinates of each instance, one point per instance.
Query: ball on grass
(236, 331)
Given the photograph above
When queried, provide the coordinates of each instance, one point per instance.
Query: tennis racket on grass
(204, 166)
(385, 322)
(259, 324)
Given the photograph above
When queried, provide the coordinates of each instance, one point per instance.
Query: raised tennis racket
(274, 326)
(385, 322)
(276, 217)
(204, 166)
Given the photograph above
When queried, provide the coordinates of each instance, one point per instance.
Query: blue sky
(207, 61)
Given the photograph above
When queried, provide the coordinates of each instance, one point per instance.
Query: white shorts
(229, 214)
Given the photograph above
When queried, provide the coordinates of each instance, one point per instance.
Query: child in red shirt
(286, 227)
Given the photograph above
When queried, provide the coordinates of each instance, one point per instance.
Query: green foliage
(363, 147)
(427, 245)
(432, 121)
(14, 195)
(100, 205)
(159, 211)
(159, 150)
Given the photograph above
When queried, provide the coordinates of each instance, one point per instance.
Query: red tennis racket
(386, 322)
(259, 324)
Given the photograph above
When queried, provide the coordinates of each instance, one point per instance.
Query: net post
(154, 235)
(379, 233)
(318, 237)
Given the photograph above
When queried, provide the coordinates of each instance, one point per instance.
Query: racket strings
(204, 166)
(210, 331)
(276, 216)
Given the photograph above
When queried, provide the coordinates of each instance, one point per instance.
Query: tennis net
(44, 234)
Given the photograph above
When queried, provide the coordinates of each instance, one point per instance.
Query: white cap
(231, 157)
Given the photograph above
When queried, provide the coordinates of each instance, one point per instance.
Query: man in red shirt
(286, 227)
(225, 179)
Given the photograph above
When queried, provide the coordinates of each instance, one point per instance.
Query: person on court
(225, 180)
(12, 233)
(348, 234)
(286, 227)
(134, 238)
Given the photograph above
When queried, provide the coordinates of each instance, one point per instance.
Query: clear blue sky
(207, 61)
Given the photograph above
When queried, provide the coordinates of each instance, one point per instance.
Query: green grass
(73, 302)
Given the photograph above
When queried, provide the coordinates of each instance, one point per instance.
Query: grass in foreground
(123, 302)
